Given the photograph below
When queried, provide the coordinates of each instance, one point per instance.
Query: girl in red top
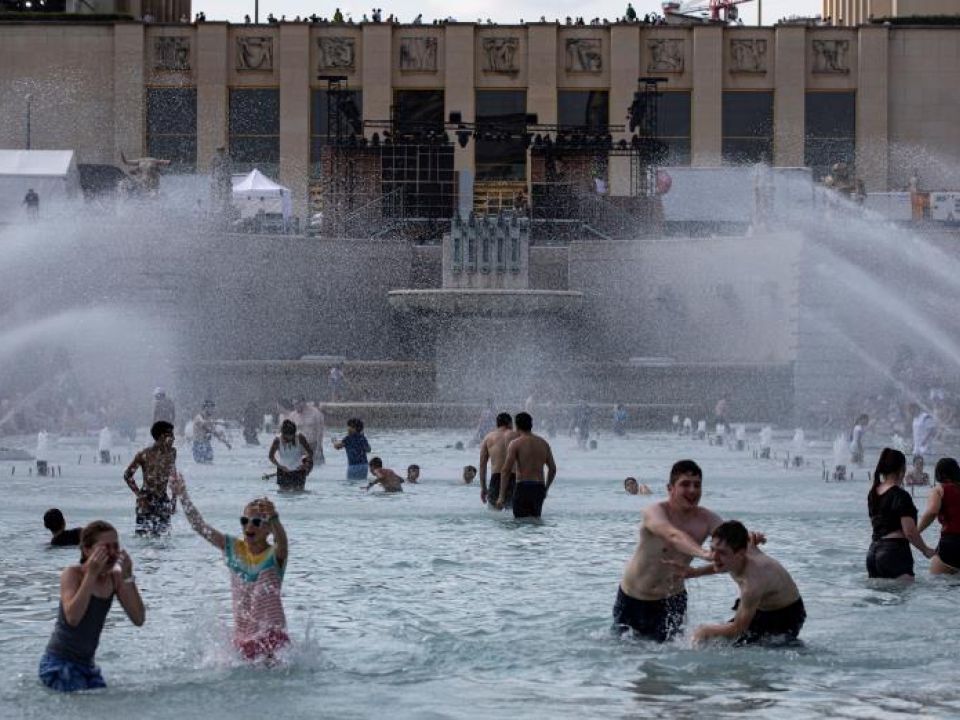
(944, 504)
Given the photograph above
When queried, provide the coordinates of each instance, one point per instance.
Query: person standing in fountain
(204, 430)
(158, 463)
(293, 456)
(856, 439)
(924, 430)
(493, 450)
(894, 519)
(163, 407)
(944, 504)
(486, 423)
(529, 454)
(310, 420)
(252, 419)
(256, 574)
(357, 447)
(86, 594)
(582, 417)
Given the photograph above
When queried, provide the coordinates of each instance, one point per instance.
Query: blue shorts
(358, 472)
(68, 676)
(202, 451)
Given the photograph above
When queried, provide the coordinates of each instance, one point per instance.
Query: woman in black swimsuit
(894, 519)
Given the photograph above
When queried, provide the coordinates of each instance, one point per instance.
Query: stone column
(211, 54)
(789, 100)
(293, 61)
(624, 72)
(377, 73)
(707, 97)
(542, 71)
(872, 96)
(128, 93)
(459, 94)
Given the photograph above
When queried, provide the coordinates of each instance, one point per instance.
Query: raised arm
(933, 508)
(125, 586)
(211, 535)
(76, 586)
(655, 520)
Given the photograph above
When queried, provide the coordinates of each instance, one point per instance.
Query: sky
(471, 10)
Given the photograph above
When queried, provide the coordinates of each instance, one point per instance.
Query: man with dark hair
(158, 463)
(651, 598)
(769, 608)
(386, 477)
(493, 450)
(413, 474)
(54, 522)
(528, 454)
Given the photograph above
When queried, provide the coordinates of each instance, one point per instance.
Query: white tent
(52, 174)
(256, 192)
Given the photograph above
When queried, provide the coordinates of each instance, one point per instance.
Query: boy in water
(357, 448)
(916, 475)
(157, 463)
(256, 573)
(469, 473)
(413, 474)
(384, 476)
(204, 430)
(769, 608)
(54, 521)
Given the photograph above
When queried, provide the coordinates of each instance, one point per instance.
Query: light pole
(256, 12)
(29, 98)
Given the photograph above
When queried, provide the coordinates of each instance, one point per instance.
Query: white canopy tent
(255, 192)
(52, 174)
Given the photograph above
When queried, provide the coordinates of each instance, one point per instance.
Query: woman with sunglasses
(256, 573)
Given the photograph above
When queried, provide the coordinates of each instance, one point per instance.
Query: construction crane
(713, 11)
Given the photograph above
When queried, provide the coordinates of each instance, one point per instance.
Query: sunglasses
(255, 521)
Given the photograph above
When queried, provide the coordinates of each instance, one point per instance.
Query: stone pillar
(542, 71)
(211, 55)
(128, 93)
(377, 73)
(872, 103)
(789, 100)
(624, 72)
(459, 94)
(294, 71)
(707, 97)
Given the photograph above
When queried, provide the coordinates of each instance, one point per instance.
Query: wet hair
(913, 460)
(356, 424)
(471, 468)
(524, 422)
(733, 534)
(504, 420)
(288, 427)
(54, 522)
(626, 480)
(160, 428)
(684, 467)
(947, 470)
(376, 462)
(413, 467)
(90, 533)
(891, 462)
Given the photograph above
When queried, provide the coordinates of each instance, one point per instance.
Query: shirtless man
(493, 450)
(529, 454)
(769, 607)
(384, 476)
(157, 462)
(651, 598)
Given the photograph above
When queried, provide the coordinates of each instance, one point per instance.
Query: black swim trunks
(494, 493)
(889, 558)
(781, 625)
(295, 480)
(658, 620)
(153, 515)
(948, 550)
(528, 497)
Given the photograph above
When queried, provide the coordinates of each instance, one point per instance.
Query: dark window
(333, 115)
(418, 112)
(747, 128)
(673, 127)
(501, 152)
(418, 180)
(831, 130)
(172, 127)
(588, 109)
(255, 130)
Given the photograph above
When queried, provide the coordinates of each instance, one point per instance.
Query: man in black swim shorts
(527, 456)
(493, 451)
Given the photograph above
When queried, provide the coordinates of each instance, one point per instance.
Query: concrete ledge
(498, 303)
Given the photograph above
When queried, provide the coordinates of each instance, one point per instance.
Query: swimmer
(493, 450)
(527, 455)
(651, 598)
(293, 456)
(632, 487)
(256, 573)
(916, 475)
(357, 447)
(54, 521)
(158, 463)
(413, 474)
(944, 504)
(769, 607)
(469, 473)
(86, 594)
(204, 429)
(386, 477)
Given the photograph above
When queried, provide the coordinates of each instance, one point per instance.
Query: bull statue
(144, 178)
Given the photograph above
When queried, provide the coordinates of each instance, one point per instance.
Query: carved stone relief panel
(418, 54)
(584, 55)
(666, 55)
(831, 57)
(337, 53)
(500, 55)
(254, 53)
(748, 56)
(171, 53)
